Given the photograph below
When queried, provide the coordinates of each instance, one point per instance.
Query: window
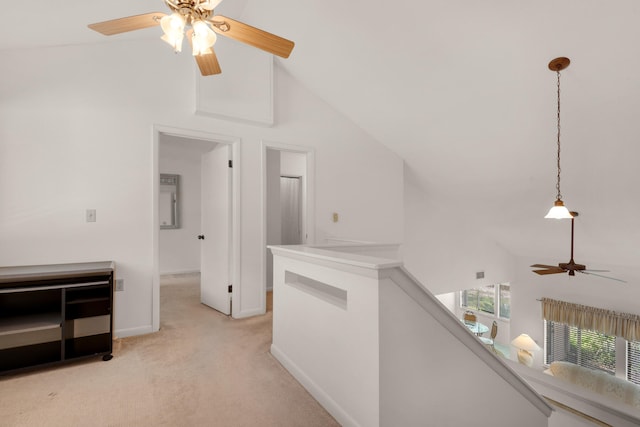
(592, 350)
(486, 298)
(505, 301)
(580, 346)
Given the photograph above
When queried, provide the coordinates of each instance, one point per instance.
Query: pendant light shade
(203, 38)
(559, 210)
(173, 27)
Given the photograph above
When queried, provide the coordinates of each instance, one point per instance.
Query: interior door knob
(201, 237)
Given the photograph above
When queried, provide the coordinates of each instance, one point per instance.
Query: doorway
(288, 195)
(212, 156)
(291, 201)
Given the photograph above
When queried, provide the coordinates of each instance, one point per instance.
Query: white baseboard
(320, 395)
(248, 313)
(142, 330)
(180, 273)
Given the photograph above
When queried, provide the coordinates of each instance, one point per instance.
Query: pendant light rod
(558, 65)
(558, 211)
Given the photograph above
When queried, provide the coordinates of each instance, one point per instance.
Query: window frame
(497, 301)
(622, 360)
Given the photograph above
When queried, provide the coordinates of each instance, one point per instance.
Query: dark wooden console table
(55, 313)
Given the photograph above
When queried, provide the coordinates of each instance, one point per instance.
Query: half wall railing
(376, 348)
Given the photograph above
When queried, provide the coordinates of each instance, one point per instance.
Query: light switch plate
(91, 215)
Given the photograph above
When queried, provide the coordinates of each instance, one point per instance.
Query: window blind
(580, 346)
(633, 361)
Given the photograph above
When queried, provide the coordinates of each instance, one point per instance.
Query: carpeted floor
(201, 369)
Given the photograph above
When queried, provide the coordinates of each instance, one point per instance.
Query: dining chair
(469, 317)
(494, 333)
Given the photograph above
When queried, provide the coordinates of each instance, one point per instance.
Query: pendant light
(559, 210)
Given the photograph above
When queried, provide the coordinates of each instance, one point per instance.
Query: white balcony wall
(375, 348)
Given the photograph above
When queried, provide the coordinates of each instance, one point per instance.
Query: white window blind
(580, 346)
(633, 361)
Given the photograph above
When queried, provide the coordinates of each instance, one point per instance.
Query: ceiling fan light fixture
(559, 211)
(209, 4)
(173, 27)
(183, 22)
(203, 38)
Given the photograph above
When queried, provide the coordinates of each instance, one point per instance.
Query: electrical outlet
(119, 285)
(91, 215)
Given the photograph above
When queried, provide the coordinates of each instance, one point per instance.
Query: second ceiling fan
(198, 15)
(570, 267)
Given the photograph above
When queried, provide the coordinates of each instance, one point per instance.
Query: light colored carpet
(201, 369)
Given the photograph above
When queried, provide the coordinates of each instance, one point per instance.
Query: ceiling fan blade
(208, 63)
(130, 23)
(597, 271)
(544, 266)
(600, 275)
(252, 36)
(549, 271)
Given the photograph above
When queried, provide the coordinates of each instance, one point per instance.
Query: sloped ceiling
(461, 90)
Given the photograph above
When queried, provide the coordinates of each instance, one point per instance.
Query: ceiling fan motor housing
(571, 266)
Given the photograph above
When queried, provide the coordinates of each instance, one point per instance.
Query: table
(55, 313)
(477, 327)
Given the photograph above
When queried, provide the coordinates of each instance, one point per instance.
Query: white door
(290, 210)
(216, 229)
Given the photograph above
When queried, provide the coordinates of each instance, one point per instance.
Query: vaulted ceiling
(460, 89)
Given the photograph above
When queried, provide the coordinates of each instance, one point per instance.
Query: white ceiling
(461, 90)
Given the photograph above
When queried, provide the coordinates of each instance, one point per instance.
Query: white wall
(76, 132)
(424, 369)
(293, 164)
(179, 249)
(374, 348)
(446, 242)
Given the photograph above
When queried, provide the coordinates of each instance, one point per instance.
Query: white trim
(248, 313)
(310, 220)
(180, 273)
(318, 393)
(130, 332)
(236, 215)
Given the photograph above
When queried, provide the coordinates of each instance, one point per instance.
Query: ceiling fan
(570, 267)
(198, 14)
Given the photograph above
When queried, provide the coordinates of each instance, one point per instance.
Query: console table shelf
(31, 323)
(55, 313)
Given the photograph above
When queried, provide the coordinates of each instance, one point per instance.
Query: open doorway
(288, 200)
(206, 189)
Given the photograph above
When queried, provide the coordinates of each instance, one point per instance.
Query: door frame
(234, 142)
(309, 186)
